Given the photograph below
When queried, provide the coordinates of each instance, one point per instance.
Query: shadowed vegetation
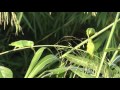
(59, 44)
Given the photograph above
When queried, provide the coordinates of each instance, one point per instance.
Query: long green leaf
(58, 70)
(55, 71)
(81, 73)
(87, 63)
(28, 23)
(81, 61)
(42, 63)
(111, 49)
(35, 60)
(100, 40)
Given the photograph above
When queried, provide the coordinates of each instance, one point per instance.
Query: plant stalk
(95, 35)
(108, 43)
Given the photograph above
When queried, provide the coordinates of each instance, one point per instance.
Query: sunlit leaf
(35, 60)
(5, 72)
(42, 63)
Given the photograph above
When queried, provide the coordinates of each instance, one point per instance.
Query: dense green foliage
(60, 44)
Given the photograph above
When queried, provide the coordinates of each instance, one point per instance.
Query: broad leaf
(5, 72)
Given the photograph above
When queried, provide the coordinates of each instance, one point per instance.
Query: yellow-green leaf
(5, 72)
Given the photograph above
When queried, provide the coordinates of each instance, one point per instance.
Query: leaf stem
(108, 43)
(61, 46)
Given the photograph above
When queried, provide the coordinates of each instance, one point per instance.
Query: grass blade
(81, 73)
(35, 60)
(42, 63)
